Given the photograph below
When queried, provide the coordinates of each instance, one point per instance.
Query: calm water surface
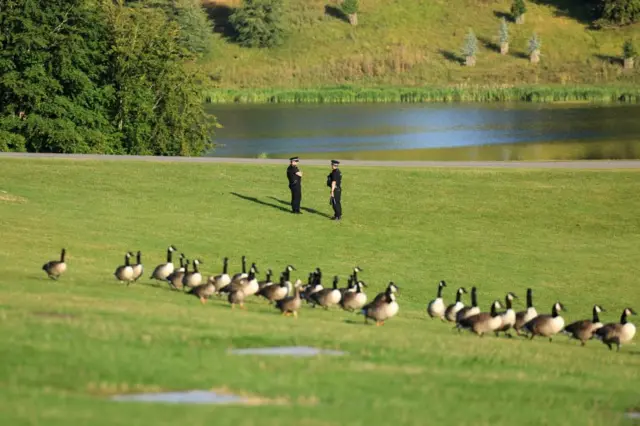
(430, 131)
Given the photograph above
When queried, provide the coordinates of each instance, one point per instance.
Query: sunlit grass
(67, 345)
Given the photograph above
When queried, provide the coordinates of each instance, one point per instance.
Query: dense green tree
(518, 9)
(158, 105)
(351, 8)
(196, 31)
(617, 12)
(53, 96)
(259, 23)
(82, 76)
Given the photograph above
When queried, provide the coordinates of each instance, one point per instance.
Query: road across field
(578, 164)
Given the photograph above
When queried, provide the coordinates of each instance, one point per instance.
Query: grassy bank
(351, 94)
(416, 43)
(68, 345)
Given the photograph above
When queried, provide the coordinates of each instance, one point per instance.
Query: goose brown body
(617, 333)
(585, 329)
(55, 268)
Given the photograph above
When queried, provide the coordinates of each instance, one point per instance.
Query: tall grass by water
(354, 94)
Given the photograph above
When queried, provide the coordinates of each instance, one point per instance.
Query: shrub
(259, 23)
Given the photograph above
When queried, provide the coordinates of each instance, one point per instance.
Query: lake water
(513, 131)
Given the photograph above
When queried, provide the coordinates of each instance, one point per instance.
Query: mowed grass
(417, 43)
(66, 346)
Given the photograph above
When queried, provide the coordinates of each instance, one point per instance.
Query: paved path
(578, 164)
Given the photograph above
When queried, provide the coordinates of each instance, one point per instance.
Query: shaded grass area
(415, 43)
(571, 235)
(351, 94)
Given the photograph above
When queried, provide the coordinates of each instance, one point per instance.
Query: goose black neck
(554, 311)
(168, 255)
(623, 318)
(139, 258)
(335, 283)
(252, 274)
(126, 260)
(529, 298)
(355, 276)
(287, 274)
(225, 267)
(458, 296)
(269, 273)
(507, 302)
(358, 288)
(494, 310)
(62, 254)
(244, 265)
(439, 290)
(474, 298)
(596, 318)
(195, 267)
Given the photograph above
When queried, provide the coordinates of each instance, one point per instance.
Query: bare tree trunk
(535, 57)
(470, 61)
(520, 19)
(353, 19)
(504, 48)
(628, 63)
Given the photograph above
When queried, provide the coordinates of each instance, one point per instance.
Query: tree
(158, 107)
(196, 31)
(259, 23)
(616, 12)
(351, 8)
(470, 48)
(518, 9)
(504, 37)
(534, 49)
(52, 71)
(628, 53)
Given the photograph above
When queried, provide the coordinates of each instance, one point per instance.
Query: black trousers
(337, 205)
(296, 197)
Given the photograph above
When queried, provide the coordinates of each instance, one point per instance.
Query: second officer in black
(295, 184)
(334, 181)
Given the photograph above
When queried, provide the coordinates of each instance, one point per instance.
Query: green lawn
(414, 43)
(571, 235)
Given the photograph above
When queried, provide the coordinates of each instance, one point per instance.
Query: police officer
(334, 181)
(295, 184)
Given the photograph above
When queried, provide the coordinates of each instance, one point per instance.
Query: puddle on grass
(186, 397)
(287, 350)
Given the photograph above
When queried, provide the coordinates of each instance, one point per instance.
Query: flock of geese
(287, 297)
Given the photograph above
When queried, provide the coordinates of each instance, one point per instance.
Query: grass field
(67, 345)
(417, 43)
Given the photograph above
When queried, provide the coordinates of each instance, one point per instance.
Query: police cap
(336, 162)
(294, 159)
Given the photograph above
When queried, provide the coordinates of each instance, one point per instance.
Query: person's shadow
(306, 209)
(275, 206)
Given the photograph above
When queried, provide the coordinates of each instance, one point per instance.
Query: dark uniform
(295, 185)
(336, 176)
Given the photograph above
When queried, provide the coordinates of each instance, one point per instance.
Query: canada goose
(524, 317)
(327, 297)
(175, 278)
(468, 311)
(351, 282)
(382, 308)
(315, 284)
(273, 293)
(55, 268)
(162, 271)
(484, 322)
(125, 272)
(203, 291)
(242, 274)
(436, 307)
(509, 316)
(291, 304)
(546, 325)
(392, 287)
(192, 278)
(267, 281)
(222, 279)
(236, 297)
(138, 268)
(248, 285)
(452, 310)
(353, 300)
(287, 273)
(617, 333)
(585, 329)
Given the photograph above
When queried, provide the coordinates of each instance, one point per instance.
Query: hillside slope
(418, 42)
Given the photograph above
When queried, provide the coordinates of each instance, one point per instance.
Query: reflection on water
(430, 132)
